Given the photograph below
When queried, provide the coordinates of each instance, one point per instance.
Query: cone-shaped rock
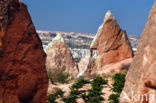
(141, 78)
(23, 76)
(58, 38)
(60, 57)
(111, 43)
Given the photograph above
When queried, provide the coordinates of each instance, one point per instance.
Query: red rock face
(141, 77)
(111, 43)
(23, 77)
(59, 57)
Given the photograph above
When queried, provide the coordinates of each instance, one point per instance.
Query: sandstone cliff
(140, 86)
(23, 76)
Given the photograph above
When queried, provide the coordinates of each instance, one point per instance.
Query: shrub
(50, 77)
(75, 93)
(113, 98)
(70, 99)
(55, 89)
(118, 84)
(92, 95)
(58, 75)
(62, 77)
(52, 97)
(73, 96)
(98, 99)
(98, 81)
(79, 84)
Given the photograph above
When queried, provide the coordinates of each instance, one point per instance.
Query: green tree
(114, 98)
(118, 84)
(94, 94)
(58, 75)
(62, 77)
(75, 93)
(52, 97)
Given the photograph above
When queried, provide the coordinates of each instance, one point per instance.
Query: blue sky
(87, 15)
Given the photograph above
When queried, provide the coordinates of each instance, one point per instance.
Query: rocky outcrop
(140, 86)
(59, 57)
(23, 76)
(83, 66)
(111, 43)
(83, 62)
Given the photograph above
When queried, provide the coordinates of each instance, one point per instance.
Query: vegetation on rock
(52, 97)
(118, 84)
(92, 95)
(58, 76)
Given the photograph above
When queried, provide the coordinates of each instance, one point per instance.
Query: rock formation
(59, 57)
(83, 66)
(111, 43)
(23, 76)
(140, 86)
(83, 62)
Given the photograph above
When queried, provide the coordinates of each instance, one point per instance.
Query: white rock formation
(58, 38)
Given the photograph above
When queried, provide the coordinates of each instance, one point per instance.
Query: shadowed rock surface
(141, 78)
(23, 76)
(59, 57)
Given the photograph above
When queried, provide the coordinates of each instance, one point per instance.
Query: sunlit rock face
(141, 78)
(111, 38)
(59, 57)
(58, 38)
(83, 66)
(23, 76)
(111, 43)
